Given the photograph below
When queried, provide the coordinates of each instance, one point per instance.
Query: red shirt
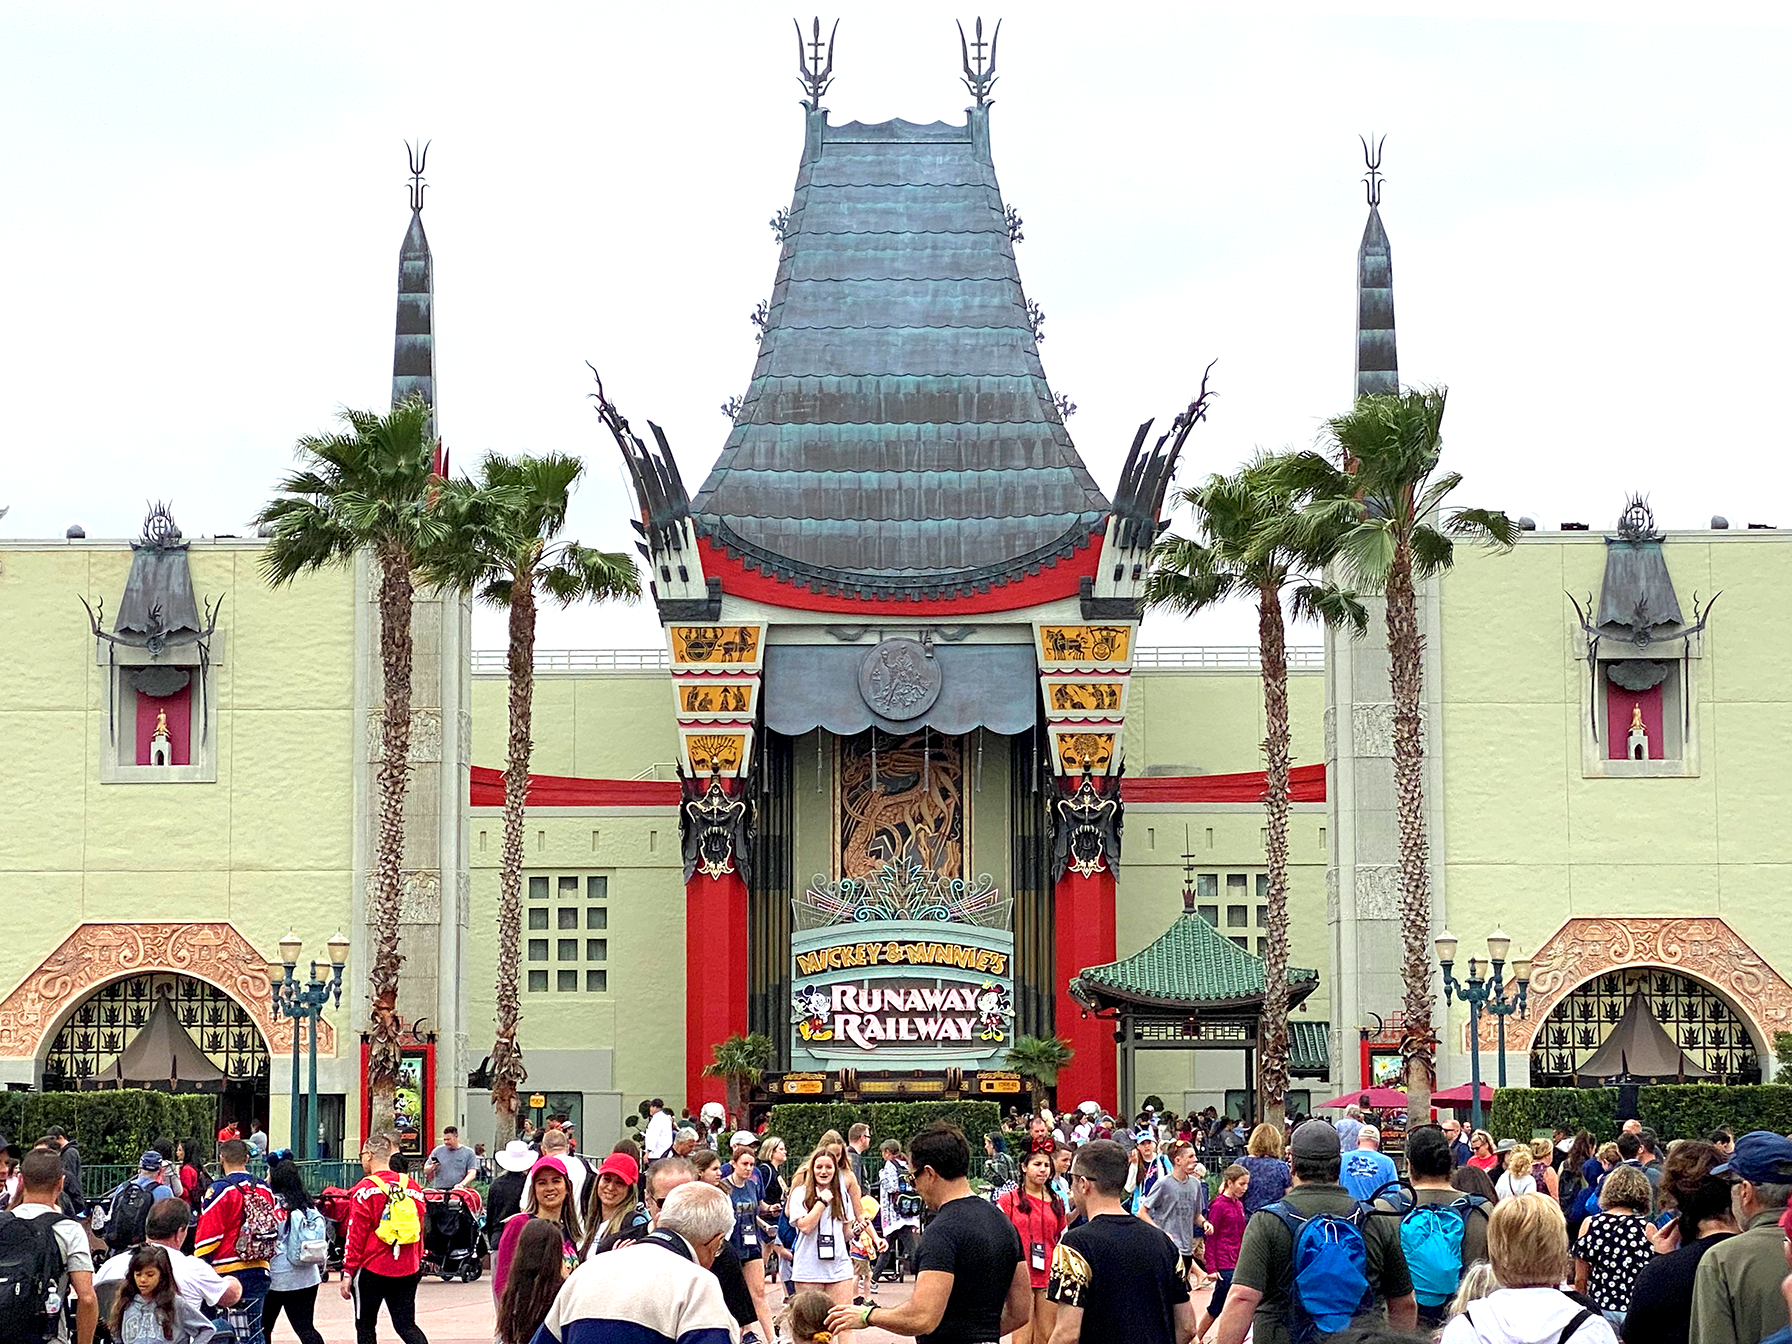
(1039, 1225)
(361, 1248)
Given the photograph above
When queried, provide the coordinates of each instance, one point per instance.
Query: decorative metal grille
(104, 1025)
(1699, 1021)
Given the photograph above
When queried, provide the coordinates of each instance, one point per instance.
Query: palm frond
(1489, 527)
(582, 573)
(1335, 606)
(1432, 551)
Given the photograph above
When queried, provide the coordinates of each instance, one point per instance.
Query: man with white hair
(1367, 1169)
(1349, 1126)
(657, 1289)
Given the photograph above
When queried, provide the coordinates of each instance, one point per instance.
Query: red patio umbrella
(1371, 1099)
(1461, 1098)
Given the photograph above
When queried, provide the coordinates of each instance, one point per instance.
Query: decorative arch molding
(96, 954)
(1704, 948)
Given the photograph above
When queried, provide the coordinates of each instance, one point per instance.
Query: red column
(1085, 937)
(715, 975)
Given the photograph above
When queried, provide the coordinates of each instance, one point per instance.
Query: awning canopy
(1638, 1050)
(808, 686)
(162, 1054)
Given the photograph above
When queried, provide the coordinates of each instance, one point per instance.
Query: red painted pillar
(1085, 937)
(715, 975)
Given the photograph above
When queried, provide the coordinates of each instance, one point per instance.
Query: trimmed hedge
(113, 1126)
(1672, 1110)
(801, 1124)
(1518, 1111)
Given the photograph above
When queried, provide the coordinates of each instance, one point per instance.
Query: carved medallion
(899, 679)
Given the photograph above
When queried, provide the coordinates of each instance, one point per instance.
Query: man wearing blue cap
(1736, 1297)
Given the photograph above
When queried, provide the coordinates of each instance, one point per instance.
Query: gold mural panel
(715, 645)
(715, 753)
(1076, 748)
(1083, 644)
(715, 697)
(1084, 697)
(907, 802)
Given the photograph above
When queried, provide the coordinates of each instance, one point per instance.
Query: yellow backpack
(402, 1222)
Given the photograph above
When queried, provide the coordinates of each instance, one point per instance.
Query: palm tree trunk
(1272, 1032)
(508, 1073)
(385, 1028)
(1405, 653)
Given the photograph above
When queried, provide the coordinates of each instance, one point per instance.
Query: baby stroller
(451, 1227)
(335, 1203)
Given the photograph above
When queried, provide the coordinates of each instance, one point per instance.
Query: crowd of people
(1063, 1229)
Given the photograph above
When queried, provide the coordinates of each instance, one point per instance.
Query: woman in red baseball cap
(612, 1210)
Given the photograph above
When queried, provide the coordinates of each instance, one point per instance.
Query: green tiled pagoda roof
(1309, 1047)
(898, 438)
(1191, 964)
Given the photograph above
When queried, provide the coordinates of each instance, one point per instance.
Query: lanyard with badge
(824, 1241)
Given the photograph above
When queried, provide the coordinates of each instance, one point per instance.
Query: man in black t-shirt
(971, 1280)
(1116, 1277)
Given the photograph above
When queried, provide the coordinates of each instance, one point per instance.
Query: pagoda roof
(898, 438)
(1309, 1048)
(1191, 965)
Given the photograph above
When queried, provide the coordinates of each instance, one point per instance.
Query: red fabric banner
(1306, 784)
(487, 790)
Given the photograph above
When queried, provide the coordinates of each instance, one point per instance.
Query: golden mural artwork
(1082, 644)
(1080, 751)
(1090, 697)
(715, 753)
(914, 807)
(723, 698)
(714, 644)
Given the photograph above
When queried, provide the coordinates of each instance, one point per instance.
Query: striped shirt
(651, 1292)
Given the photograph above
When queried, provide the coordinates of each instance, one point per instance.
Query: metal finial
(814, 76)
(979, 77)
(417, 158)
(1372, 160)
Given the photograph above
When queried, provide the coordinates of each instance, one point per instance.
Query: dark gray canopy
(162, 1054)
(1638, 1050)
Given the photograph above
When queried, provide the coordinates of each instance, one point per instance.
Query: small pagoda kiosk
(1192, 989)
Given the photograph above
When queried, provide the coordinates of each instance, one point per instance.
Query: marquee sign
(901, 969)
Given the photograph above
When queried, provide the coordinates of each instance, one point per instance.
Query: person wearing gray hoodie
(1527, 1244)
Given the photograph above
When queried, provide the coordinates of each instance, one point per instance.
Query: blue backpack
(1330, 1286)
(1431, 1239)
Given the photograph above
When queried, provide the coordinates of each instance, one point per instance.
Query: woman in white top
(817, 1208)
(1517, 1178)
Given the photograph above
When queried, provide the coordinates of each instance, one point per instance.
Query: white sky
(203, 208)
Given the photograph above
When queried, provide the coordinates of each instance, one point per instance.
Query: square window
(569, 886)
(538, 950)
(1211, 913)
(597, 888)
(1263, 916)
(568, 950)
(538, 982)
(538, 916)
(597, 949)
(597, 917)
(597, 982)
(1263, 886)
(1244, 943)
(567, 982)
(569, 916)
(1238, 917)
(538, 888)
(1207, 885)
(1235, 883)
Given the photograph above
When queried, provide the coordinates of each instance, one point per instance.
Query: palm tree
(1040, 1058)
(1246, 546)
(1382, 500)
(739, 1061)
(502, 546)
(369, 487)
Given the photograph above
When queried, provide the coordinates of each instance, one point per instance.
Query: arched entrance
(98, 1035)
(1698, 1018)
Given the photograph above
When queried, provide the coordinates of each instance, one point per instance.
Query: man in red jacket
(377, 1268)
(239, 1225)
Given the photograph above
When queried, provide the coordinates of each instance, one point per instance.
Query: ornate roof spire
(815, 73)
(1377, 362)
(414, 345)
(979, 69)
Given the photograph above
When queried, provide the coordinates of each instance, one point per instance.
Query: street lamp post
(1487, 992)
(304, 1000)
